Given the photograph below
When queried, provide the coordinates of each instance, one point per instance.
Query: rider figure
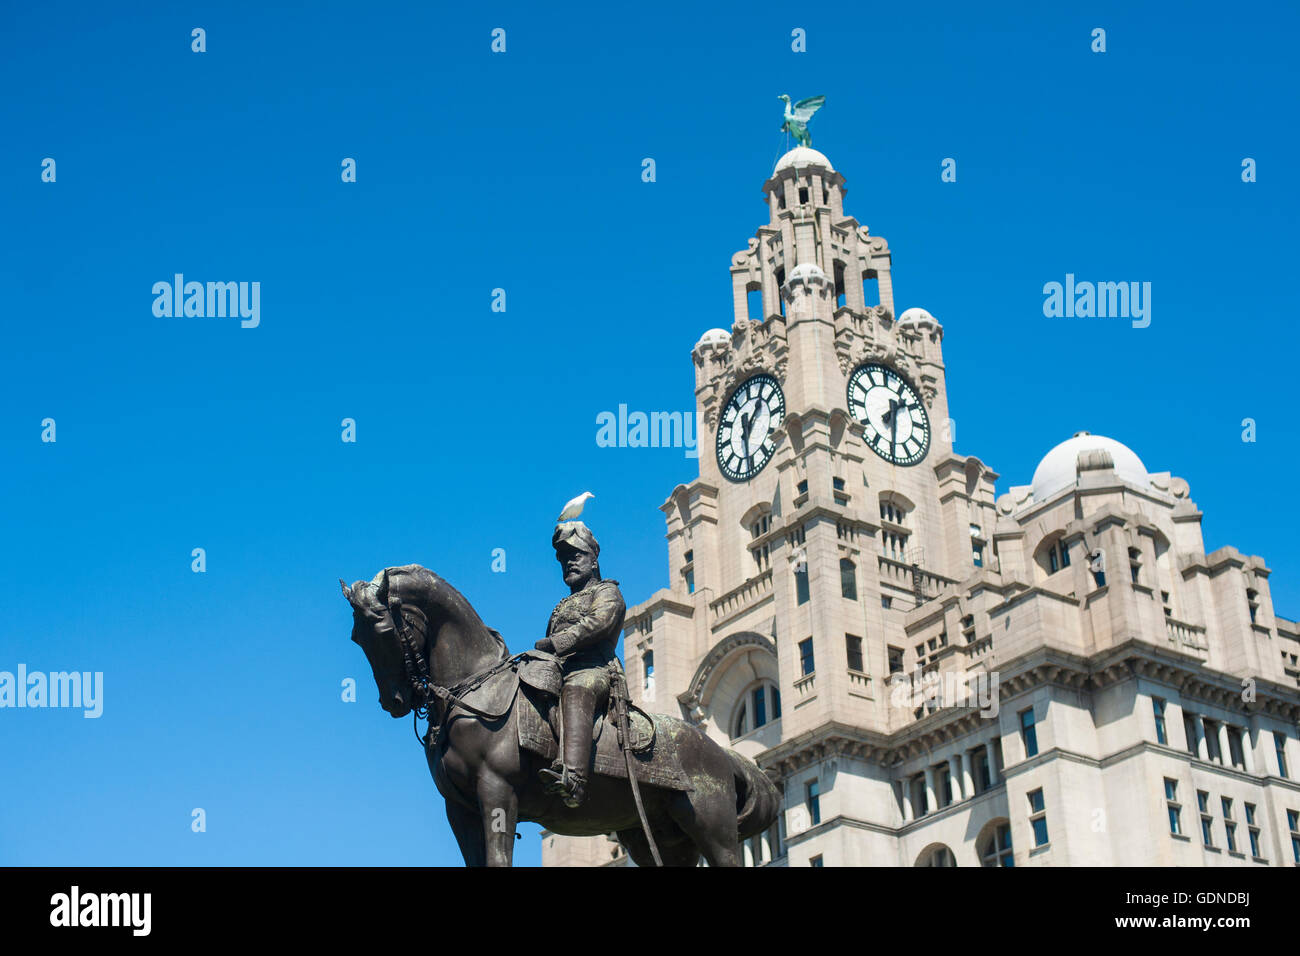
(583, 632)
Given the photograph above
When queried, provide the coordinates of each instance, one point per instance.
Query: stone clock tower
(818, 515)
(842, 584)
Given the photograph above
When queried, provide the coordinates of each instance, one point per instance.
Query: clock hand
(894, 406)
(893, 431)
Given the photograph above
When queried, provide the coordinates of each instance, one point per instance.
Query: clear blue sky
(522, 171)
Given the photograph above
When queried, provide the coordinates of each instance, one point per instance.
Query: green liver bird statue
(797, 117)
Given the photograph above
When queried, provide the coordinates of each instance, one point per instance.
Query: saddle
(531, 687)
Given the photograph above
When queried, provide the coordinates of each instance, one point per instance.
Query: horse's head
(397, 668)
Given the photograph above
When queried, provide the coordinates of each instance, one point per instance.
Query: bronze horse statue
(429, 649)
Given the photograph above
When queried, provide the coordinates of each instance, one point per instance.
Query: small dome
(802, 156)
(713, 339)
(916, 316)
(1060, 466)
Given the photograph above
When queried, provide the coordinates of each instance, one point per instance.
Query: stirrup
(570, 785)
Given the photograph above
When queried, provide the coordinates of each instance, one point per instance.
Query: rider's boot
(577, 704)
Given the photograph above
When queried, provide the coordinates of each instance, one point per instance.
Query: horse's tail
(758, 803)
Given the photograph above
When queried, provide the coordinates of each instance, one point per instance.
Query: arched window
(895, 525)
(758, 707)
(995, 845)
(848, 579)
(939, 855)
(1054, 554)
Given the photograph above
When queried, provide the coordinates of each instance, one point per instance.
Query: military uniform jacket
(584, 627)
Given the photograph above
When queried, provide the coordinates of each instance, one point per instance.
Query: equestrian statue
(550, 735)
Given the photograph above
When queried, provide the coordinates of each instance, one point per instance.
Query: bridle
(420, 679)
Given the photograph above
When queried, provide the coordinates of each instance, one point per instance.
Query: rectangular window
(983, 774)
(806, 656)
(895, 660)
(1038, 817)
(837, 484)
(945, 785)
(648, 665)
(853, 645)
(1174, 807)
(1293, 824)
(801, 487)
(977, 554)
(1065, 555)
(690, 581)
(1253, 830)
(1189, 731)
(1234, 748)
(1279, 744)
(801, 586)
(920, 796)
(1158, 705)
(1207, 818)
(886, 602)
(816, 861)
(813, 801)
(760, 706)
(1028, 732)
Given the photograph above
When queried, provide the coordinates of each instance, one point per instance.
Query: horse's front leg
(499, 808)
(468, 830)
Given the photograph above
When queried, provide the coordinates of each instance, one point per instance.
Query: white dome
(915, 315)
(802, 156)
(1060, 466)
(714, 338)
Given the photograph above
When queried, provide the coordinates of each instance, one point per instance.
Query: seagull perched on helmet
(574, 508)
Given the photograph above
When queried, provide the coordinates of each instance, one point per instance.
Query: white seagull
(574, 508)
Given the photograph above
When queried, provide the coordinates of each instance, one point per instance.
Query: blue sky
(521, 171)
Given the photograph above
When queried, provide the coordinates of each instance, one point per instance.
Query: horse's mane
(429, 588)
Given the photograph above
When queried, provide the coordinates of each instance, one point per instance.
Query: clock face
(892, 414)
(747, 428)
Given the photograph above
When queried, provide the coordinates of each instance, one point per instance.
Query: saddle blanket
(657, 765)
(654, 750)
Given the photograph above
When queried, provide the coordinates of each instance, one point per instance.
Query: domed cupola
(1060, 467)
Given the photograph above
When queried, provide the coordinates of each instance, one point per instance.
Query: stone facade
(935, 674)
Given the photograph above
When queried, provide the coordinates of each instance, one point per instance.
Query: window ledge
(1181, 836)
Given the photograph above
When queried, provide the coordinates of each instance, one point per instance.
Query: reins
(425, 690)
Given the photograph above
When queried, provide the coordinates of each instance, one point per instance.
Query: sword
(618, 687)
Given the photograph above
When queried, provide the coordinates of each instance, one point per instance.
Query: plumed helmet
(576, 535)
